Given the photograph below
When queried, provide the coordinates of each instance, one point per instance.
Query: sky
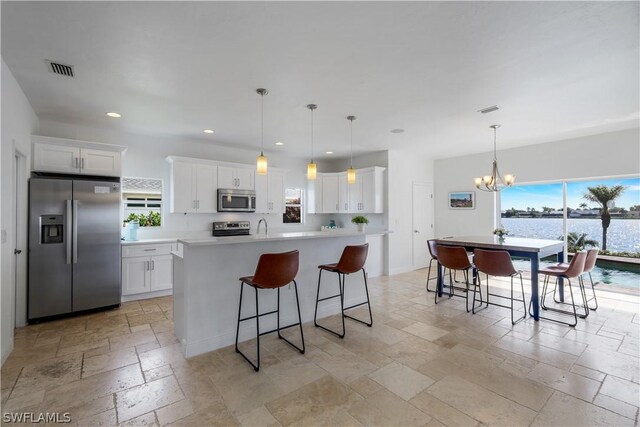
(538, 195)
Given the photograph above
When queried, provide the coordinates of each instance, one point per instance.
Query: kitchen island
(207, 289)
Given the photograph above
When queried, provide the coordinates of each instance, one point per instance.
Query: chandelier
(494, 182)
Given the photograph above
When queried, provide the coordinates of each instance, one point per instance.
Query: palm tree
(602, 195)
(576, 242)
(583, 206)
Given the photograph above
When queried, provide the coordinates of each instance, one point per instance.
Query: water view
(623, 235)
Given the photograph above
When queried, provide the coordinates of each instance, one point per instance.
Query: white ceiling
(556, 69)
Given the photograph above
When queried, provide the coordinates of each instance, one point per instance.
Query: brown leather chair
(573, 270)
(273, 272)
(455, 258)
(352, 261)
(499, 264)
(433, 251)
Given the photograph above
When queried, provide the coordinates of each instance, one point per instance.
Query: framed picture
(462, 200)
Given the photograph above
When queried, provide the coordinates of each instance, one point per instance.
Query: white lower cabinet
(147, 269)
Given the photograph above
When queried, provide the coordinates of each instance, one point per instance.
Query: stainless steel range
(231, 228)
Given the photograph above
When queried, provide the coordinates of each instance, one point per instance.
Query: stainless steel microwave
(230, 200)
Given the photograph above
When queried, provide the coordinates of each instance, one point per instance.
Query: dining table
(532, 249)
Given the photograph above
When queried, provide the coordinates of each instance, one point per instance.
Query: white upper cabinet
(270, 193)
(235, 178)
(193, 187)
(75, 157)
(331, 193)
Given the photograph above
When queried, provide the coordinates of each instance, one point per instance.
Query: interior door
(422, 222)
(96, 256)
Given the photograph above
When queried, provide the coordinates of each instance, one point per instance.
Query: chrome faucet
(266, 227)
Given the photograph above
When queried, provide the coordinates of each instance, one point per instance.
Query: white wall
(18, 123)
(145, 157)
(405, 168)
(601, 155)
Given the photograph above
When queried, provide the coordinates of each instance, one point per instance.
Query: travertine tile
(315, 402)
(103, 419)
(564, 410)
(531, 350)
(291, 375)
(50, 373)
(146, 420)
(401, 380)
(626, 391)
(440, 411)
(364, 386)
(174, 412)
(385, 408)
(613, 363)
(108, 361)
(566, 382)
(427, 332)
(616, 406)
(147, 397)
(259, 417)
(480, 403)
(132, 340)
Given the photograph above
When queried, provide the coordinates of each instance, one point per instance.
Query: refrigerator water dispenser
(51, 229)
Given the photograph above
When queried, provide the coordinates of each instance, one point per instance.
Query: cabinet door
(315, 202)
(183, 186)
(369, 196)
(161, 272)
(276, 192)
(330, 202)
(56, 158)
(343, 193)
(355, 194)
(244, 179)
(206, 189)
(99, 162)
(226, 177)
(262, 194)
(135, 275)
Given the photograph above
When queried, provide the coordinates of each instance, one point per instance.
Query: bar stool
(455, 258)
(433, 251)
(589, 264)
(273, 272)
(571, 271)
(497, 263)
(351, 261)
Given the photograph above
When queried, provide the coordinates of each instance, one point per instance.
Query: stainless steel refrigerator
(74, 245)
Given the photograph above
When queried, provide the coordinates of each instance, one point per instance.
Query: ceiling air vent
(61, 69)
(489, 109)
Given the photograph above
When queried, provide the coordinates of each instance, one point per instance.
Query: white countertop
(148, 241)
(271, 237)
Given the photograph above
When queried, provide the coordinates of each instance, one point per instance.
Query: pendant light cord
(351, 145)
(262, 124)
(495, 150)
(311, 135)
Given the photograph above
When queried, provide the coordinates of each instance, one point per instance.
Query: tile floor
(420, 364)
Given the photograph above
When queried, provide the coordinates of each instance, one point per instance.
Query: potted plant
(501, 232)
(360, 221)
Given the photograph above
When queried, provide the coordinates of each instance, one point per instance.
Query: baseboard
(146, 295)
(7, 352)
(402, 269)
(196, 347)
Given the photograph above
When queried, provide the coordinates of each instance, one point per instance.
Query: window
(293, 206)
(142, 200)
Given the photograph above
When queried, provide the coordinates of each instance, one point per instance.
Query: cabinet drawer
(147, 250)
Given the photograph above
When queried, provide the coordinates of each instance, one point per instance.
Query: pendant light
(311, 167)
(351, 172)
(261, 163)
(494, 182)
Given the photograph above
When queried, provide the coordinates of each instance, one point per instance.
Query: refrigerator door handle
(68, 226)
(75, 231)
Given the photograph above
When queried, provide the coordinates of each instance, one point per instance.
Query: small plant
(151, 220)
(500, 232)
(360, 220)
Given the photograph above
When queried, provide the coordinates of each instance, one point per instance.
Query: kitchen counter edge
(277, 237)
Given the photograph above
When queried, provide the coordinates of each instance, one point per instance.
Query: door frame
(427, 186)
(19, 222)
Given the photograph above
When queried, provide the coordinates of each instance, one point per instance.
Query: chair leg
(473, 306)
(593, 289)
(429, 275)
(585, 302)
(341, 295)
(513, 322)
(256, 367)
(301, 350)
(366, 289)
(466, 282)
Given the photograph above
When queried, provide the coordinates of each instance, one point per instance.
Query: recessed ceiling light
(396, 130)
(208, 131)
(329, 152)
(114, 114)
(279, 143)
